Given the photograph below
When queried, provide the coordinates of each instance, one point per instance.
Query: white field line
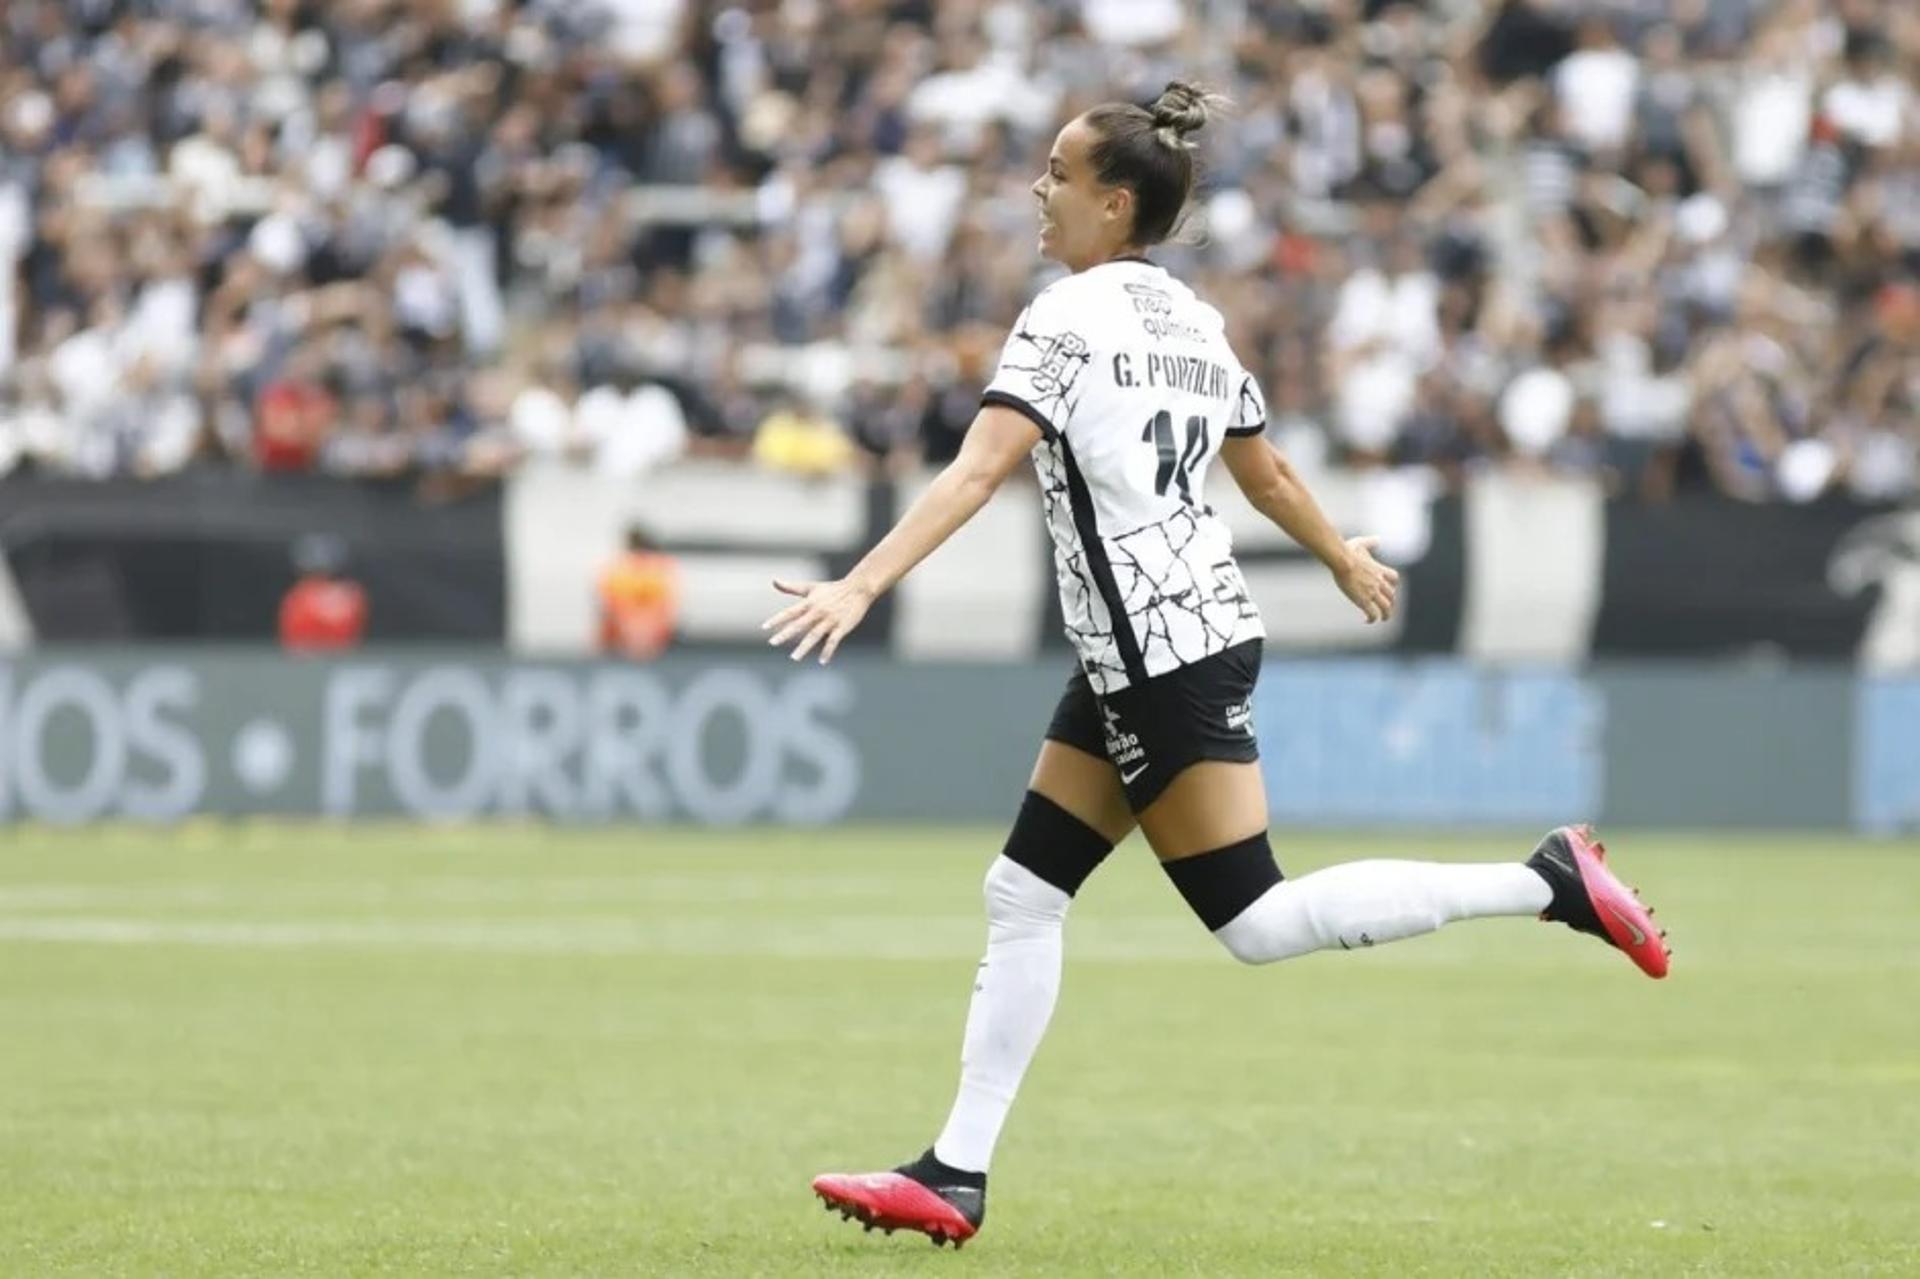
(448, 891)
(876, 937)
(1110, 939)
(845, 937)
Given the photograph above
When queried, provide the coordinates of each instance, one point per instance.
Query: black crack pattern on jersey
(1096, 645)
(1174, 619)
(1049, 365)
(1157, 583)
(1250, 412)
(1173, 612)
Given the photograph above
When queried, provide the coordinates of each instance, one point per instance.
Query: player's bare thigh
(1209, 805)
(1087, 786)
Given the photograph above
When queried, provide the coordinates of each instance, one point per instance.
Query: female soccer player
(1120, 384)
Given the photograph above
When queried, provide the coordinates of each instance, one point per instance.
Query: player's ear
(1116, 208)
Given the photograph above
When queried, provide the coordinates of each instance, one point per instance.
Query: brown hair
(1146, 150)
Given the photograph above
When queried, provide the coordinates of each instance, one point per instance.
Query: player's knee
(1054, 845)
(1246, 949)
(1221, 885)
(1267, 931)
(1015, 895)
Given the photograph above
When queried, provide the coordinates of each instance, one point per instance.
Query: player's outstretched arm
(1277, 492)
(997, 442)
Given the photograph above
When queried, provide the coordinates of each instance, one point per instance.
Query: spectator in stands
(324, 611)
(639, 600)
(1384, 336)
(1596, 85)
(799, 438)
(294, 415)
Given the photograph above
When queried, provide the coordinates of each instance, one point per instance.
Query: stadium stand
(1669, 245)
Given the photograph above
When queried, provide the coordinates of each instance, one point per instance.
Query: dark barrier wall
(1514, 568)
(1714, 576)
(208, 555)
(158, 736)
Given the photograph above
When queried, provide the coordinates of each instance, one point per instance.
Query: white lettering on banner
(708, 798)
(172, 745)
(453, 740)
(347, 744)
(125, 730)
(83, 691)
(830, 754)
(460, 691)
(618, 743)
(628, 720)
(543, 720)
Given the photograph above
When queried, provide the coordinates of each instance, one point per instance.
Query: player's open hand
(825, 613)
(1371, 585)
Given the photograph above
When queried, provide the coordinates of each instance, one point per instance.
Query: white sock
(1368, 903)
(1013, 995)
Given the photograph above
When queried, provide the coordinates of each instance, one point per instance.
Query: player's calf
(1239, 894)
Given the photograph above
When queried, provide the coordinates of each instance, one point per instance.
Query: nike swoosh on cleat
(1639, 938)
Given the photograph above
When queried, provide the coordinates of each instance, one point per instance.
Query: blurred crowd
(1675, 243)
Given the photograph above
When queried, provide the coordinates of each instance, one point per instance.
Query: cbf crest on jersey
(1048, 364)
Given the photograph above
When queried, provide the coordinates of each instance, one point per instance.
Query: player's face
(1082, 220)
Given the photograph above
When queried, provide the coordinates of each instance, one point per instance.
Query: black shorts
(1153, 731)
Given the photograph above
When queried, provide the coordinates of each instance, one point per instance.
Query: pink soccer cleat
(1589, 898)
(902, 1200)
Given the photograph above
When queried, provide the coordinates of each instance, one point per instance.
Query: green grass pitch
(273, 1050)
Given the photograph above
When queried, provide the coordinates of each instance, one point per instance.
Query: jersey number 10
(1176, 464)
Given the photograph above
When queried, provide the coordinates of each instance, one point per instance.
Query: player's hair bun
(1183, 109)
(1149, 151)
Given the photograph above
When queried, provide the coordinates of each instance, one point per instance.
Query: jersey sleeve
(1043, 365)
(1249, 409)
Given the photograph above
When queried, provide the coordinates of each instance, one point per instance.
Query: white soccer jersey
(1130, 378)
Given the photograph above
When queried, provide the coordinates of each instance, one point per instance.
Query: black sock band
(929, 1171)
(1222, 883)
(1054, 844)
